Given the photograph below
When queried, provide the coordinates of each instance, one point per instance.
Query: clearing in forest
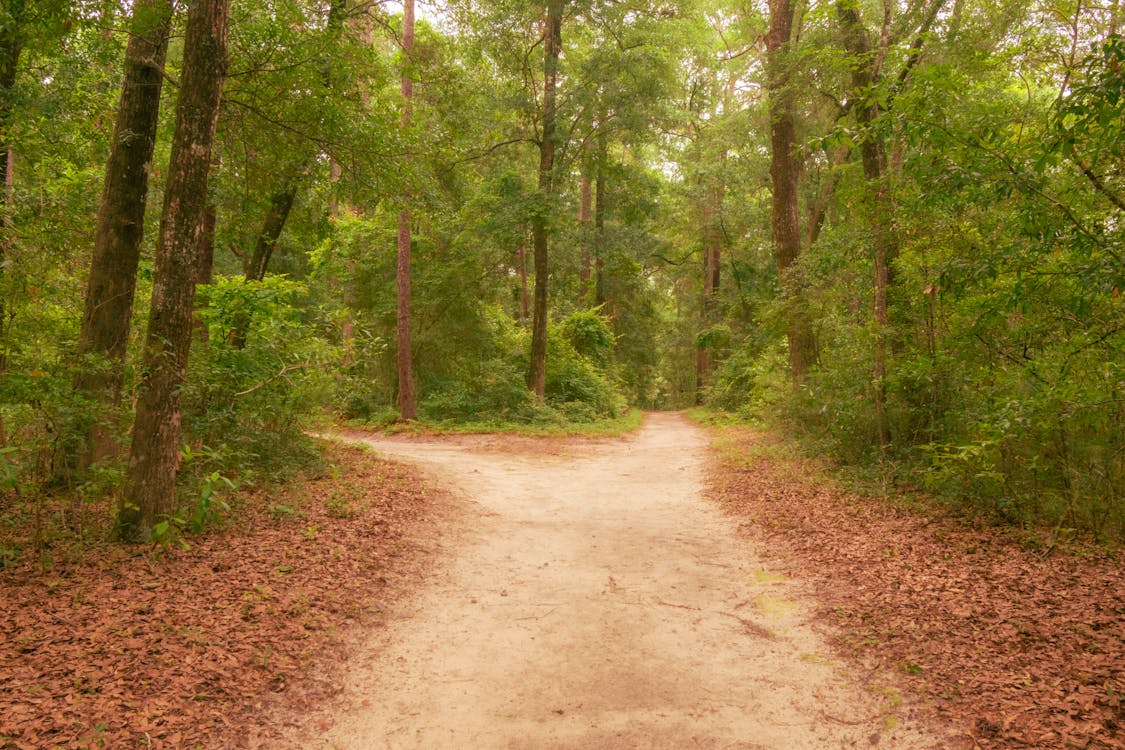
(593, 599)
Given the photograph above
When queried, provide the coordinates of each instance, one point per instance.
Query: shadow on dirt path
(594, 600)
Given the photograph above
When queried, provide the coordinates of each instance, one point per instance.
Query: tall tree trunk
(121, 221)
(537, 374)
(406, 407)
(785, 175)
(150, 488)
(11, 47)
(525, 298)
(585, 218)
(599, 223)
(873, 153)
(711, 208)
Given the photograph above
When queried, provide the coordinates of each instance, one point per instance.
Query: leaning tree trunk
(121, 219)
(785, 174)
(254, 269)
(150, 488)
(403, 357)
(537, 374)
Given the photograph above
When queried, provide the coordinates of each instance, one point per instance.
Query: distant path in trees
(593, 599)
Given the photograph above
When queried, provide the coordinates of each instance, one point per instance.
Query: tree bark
(537, 373)
(785, 224)
(150, 488)
(404, 353)
(121, 221)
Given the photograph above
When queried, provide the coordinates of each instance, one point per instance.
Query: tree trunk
(406, 406)
(525, 298)
(785, 175)
(150, 488)
(11, 47)
(873, 153)
(711, 207)
(599, 225)
(585, 211)
(537, 374)
(121, 222)
(254, 269)
(205, 271)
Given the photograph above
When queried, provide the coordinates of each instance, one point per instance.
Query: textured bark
(121, 218)
(11, 47)
(785, 223)
(150, 488)
(404, 353)
(537, 373)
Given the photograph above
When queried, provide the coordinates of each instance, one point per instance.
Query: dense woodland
(892, 228)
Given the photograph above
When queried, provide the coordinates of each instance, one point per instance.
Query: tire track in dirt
(594, 600)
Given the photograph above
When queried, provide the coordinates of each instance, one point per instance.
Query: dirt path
(595, 601)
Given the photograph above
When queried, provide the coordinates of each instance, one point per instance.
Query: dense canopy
(892, 227)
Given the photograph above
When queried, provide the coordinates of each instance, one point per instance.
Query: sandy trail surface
(594, 599)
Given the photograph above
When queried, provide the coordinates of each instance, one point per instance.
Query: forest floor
(1015, 638)
(644, 591)
(110, 647)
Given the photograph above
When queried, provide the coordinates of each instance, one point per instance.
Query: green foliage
(249, 402)
(589, 334)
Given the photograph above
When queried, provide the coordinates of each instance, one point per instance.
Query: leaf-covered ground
(188, 648)
(1019, 645)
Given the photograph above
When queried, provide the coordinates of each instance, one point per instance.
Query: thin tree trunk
(11, 47)
(711, 203)
(121, 219)
(785, 176)
(406, 406)
(525, 298)
(537, 374)
(599, 225)
(873, 153)
(150, 488)
(205, 271)
(585, 217)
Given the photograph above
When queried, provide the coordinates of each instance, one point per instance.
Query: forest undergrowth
(1011, 635)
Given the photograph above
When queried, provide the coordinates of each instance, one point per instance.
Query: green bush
(247, 401)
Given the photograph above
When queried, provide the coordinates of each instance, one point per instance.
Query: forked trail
(595, 600)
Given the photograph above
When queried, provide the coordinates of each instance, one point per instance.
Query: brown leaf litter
(1019, 647)
(189, 648)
